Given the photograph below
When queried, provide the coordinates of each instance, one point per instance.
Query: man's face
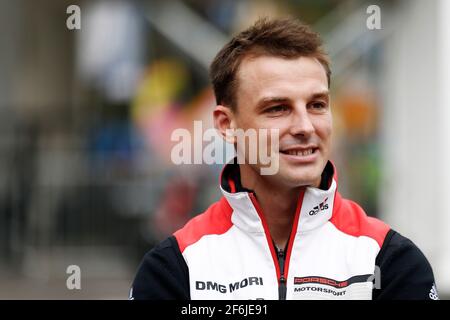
(290, 95)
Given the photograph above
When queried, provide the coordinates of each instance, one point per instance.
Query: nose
(301, 124)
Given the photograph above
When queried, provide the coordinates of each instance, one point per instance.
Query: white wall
(443, 262)
(415, 131)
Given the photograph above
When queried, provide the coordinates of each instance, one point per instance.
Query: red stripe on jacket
(215, 220)
(351, 219)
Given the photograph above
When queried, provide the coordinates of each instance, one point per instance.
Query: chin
(301, 175)
(299, 179)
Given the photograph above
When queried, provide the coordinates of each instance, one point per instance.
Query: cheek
(257, 122)
(324, 129)
(245, 121)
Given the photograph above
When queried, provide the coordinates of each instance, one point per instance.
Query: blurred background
(86, 117)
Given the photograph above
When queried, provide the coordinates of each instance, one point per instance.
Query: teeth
(300, 153)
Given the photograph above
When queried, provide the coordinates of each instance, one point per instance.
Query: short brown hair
(285, 37)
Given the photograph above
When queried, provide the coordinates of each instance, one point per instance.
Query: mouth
(301, 154)
(300, 151)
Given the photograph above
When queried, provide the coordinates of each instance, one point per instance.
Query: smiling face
(290, 95)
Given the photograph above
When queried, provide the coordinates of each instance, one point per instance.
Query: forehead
(263, 76)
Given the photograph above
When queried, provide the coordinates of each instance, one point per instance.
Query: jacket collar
(314, 207)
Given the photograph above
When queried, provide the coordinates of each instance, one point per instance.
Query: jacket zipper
(277, 254)
(282, 281)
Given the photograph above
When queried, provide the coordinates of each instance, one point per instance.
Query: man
(288, 235)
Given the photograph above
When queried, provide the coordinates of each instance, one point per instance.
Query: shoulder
(215, 220)
(162, 274)
(405, 272)
(351, 219)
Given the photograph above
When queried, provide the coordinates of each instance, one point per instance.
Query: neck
(277, 203)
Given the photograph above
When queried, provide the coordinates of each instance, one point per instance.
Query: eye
(277, 109)
(318, 106)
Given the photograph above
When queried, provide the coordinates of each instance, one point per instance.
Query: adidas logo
(322, 206)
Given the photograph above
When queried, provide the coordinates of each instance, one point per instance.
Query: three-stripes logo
(322, 206)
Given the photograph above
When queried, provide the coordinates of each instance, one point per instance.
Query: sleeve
(162, 274)
(404, 272)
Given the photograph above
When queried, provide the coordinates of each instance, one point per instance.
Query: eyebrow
(322, 94)
(272, 99)
(267, 100)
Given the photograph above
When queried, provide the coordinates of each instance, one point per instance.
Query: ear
(224, 122)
